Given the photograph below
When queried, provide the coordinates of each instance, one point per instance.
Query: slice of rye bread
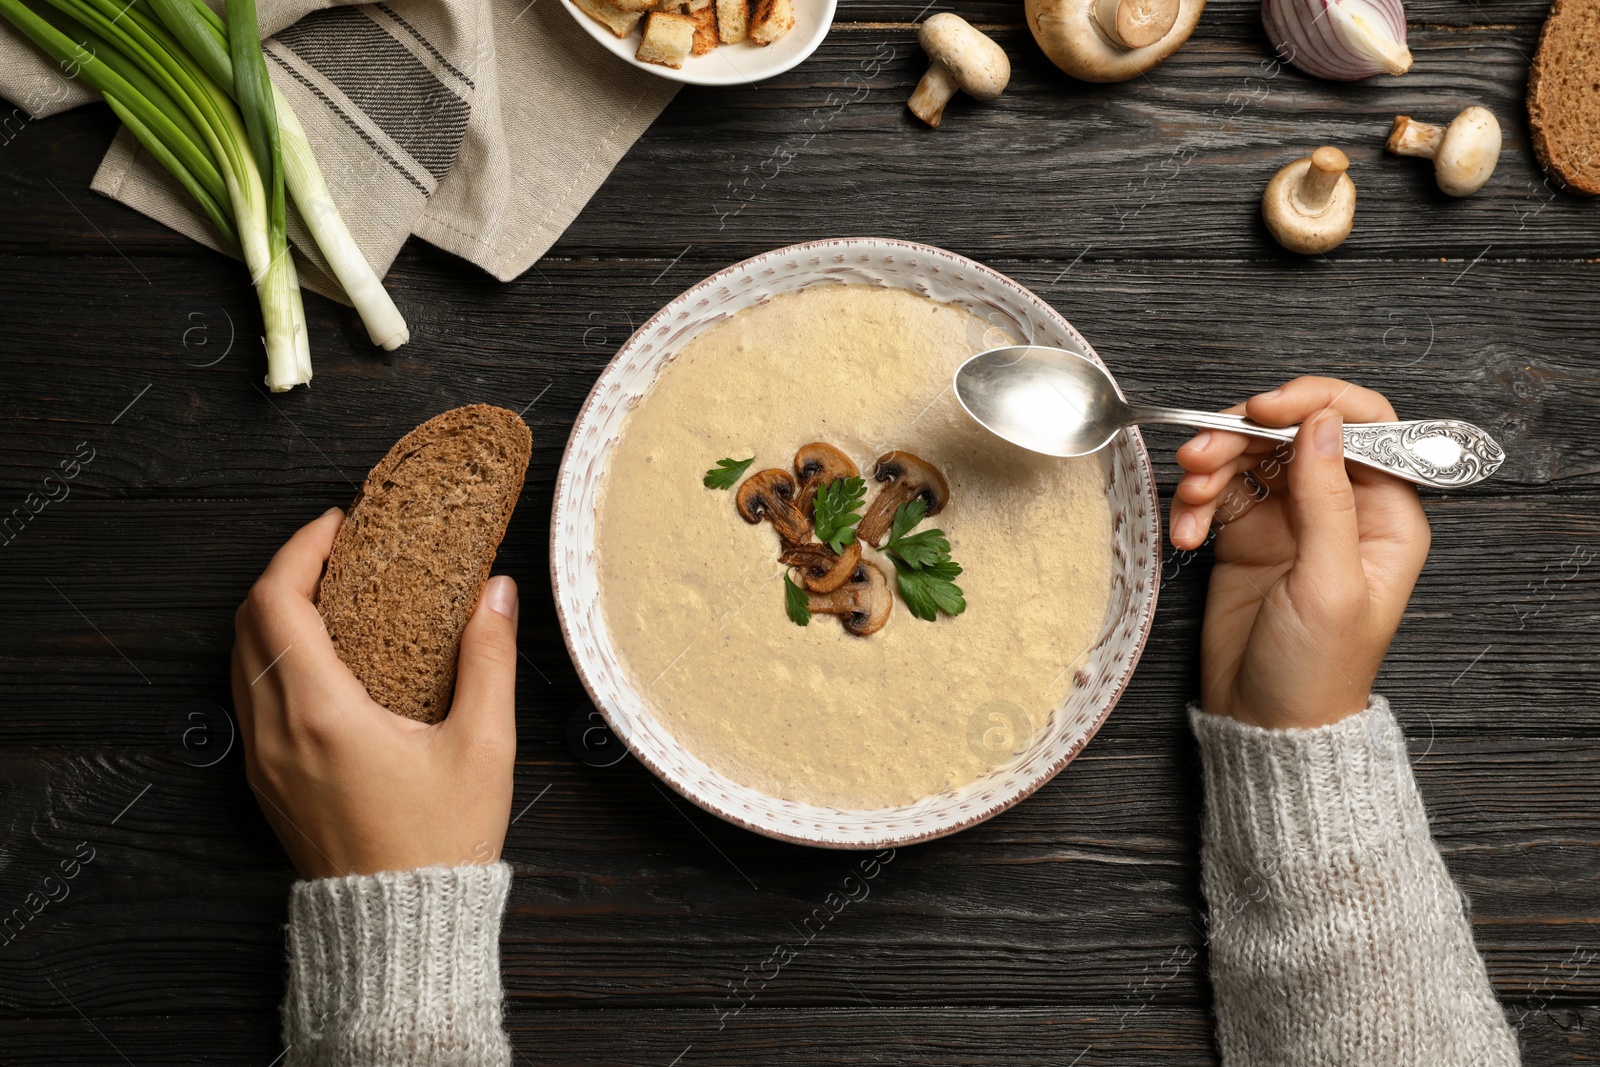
(1564, 96)
(414, 553)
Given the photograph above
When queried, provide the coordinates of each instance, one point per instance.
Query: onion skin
(1340, 40)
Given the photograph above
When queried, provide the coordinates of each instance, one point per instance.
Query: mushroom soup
(694, 596)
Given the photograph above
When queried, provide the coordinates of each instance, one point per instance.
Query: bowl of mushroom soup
(759, 656)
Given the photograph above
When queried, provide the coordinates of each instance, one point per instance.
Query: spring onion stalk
(193, 129)
(385, 325)
(205, 37)
(253, 91)
(271, 270)
(166, 133)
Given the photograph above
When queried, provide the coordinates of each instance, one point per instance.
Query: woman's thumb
(486, 670)
(1322, 504)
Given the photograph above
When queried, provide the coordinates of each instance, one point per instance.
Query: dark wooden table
(1067, 931)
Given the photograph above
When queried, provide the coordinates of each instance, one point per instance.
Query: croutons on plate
(668, 39)
(733, 21)
(771, 19)
(613, 18)
(705, 28)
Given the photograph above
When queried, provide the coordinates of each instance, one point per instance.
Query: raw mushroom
(906, 477)
(1135, 23)
(771, 495)
(1111, 40)
(816, 465)
(862, 604)
(822, 570)
(1464, 153)
(1310, 205)
(963, 58)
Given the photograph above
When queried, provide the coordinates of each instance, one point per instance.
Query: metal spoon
(1061, 403)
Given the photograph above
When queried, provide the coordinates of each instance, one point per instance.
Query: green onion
(172, 72)
(206, 38)
(280, 286)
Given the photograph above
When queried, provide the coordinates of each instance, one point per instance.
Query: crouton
(705, 29)
(733, 21)
(771, 19)
(640, 6)
(612, 18)
(668, 37)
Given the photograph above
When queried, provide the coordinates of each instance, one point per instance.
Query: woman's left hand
(348, 787)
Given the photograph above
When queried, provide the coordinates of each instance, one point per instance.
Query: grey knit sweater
(1337, 936)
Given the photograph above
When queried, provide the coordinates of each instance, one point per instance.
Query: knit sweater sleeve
(400, 969)
(1337, 935)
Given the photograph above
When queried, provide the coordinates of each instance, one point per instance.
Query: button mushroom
(905, 477)
(1310, 205)
(863, 603)
(771, 495)
(817, 464)
(1464, 153)
(1111, 40)
(822, 570)
(963, 58)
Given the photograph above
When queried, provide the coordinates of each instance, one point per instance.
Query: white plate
(940, 275)
(728, 64)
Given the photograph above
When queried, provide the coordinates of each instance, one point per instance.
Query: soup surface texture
(693, 596)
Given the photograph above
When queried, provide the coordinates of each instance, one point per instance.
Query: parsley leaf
(924, 571)
(726, 473)
(795, 602)
(925, 549)
(931, 590)
(906, 517)
(835, 515)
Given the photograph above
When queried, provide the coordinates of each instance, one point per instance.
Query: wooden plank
(1168, 166)
(858, 1031)
(129, 614)
(1506, 345)
(627, 896)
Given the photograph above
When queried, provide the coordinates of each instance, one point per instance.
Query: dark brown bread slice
(414, 554)
(1564, 96)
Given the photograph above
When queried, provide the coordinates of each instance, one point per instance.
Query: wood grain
(1067, 930)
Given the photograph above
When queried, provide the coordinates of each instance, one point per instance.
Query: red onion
(1341, 40)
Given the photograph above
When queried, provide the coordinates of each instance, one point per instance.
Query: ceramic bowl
(932, 272)
(728, 64)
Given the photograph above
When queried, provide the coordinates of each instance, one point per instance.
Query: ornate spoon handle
(1442, 453)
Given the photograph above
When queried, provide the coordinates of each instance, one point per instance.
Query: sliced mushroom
(862, 603)
(906, 477)
(816, 465)
(822, 570)
(772, 495)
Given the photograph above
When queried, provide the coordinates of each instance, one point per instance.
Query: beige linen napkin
(481, 126)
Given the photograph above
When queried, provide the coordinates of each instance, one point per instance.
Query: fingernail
(1270, 396)
(501, 596)
(330, 511)
(1185, 528)
(1202, 441)
(1328, 435)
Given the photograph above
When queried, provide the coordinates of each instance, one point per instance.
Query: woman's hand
(1314, 562)
(348, 787)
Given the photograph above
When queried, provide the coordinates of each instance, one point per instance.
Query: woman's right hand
(1315, 559)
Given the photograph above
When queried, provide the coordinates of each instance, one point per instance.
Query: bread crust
(415, 551)
(1563, 101)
